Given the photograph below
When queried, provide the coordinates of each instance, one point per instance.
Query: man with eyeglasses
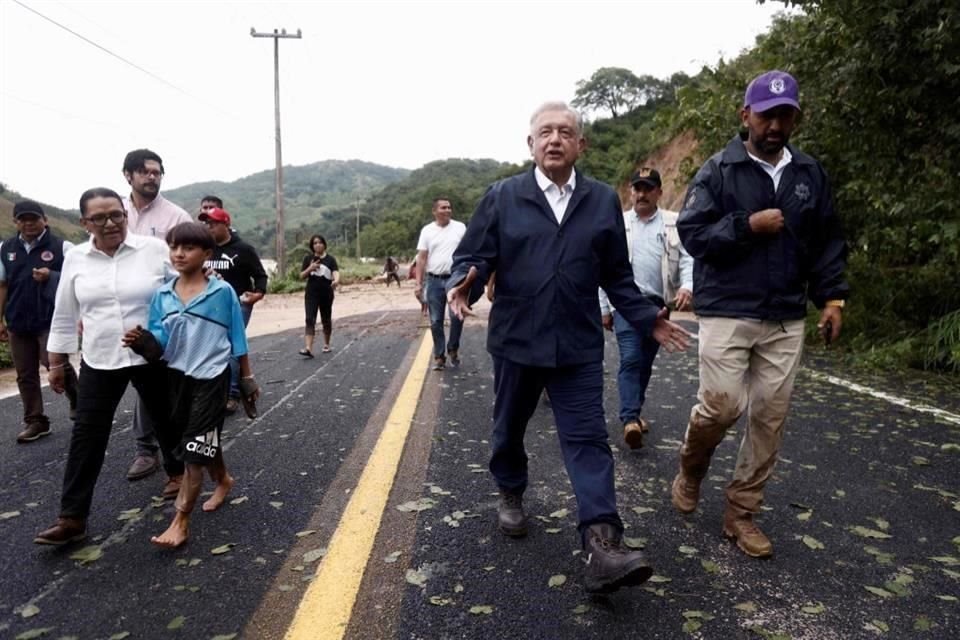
(149, 214)
(239, 265)
(30, 264)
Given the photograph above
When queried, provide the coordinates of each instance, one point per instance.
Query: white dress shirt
(557, 197)
(109, 295)
(775, 172)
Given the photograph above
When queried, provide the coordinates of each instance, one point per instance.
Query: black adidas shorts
(198, 414)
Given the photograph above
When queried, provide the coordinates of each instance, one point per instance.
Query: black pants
(321, 300)
(99, 394)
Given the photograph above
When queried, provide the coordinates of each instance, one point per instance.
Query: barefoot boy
(195, 324)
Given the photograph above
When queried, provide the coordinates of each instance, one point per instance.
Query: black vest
(30, 303)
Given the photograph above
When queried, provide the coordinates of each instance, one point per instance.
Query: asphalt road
(864, 514)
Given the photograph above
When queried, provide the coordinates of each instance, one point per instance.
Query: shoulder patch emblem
(12, 256)
(46, 256)
(802, 191)
(691, 199)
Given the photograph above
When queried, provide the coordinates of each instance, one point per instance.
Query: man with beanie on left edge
(30, 263)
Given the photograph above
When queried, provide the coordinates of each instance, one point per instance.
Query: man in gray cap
(758, 220)
(30, 263)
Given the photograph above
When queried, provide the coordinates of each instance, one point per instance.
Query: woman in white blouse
(105, 286)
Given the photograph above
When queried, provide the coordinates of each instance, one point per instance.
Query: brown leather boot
(749, 538)
(64, 531)
(633, 434)
(685, 492)
(510, 516)
(610, 565)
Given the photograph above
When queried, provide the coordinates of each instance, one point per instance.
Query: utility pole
(358, 228)
(276, 35)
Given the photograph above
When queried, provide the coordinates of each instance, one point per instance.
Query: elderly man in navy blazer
(553, 236)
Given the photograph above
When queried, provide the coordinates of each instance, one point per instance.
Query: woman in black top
(320, 271)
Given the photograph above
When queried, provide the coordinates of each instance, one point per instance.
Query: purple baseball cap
(772, 89)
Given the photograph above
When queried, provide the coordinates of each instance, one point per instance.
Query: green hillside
(309, 191)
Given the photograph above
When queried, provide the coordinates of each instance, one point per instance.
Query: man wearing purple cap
(759, 221)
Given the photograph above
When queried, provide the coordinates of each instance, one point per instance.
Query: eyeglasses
(116, 217)
(151, 174)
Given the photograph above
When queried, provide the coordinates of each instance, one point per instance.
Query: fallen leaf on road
(390, 558)
(176, 623)
(440, 601)
(557, 581)
(225, 636)
(6, 515)
(221, 549)
(686, 550)
(812, 542)
(869, 533)
(87, 555)
(813, 608)
(239, 500)
(560, 513)
(877, 591)
(481, 609)
(29, 611)
(34, 633)
(305, 533)
(747, 607)
(314, 555)
(580, 609)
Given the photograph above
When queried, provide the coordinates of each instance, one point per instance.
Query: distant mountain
(65, 224)
(309, 190)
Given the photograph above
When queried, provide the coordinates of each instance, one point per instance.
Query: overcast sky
(396, 83)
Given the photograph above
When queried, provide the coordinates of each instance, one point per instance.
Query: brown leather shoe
(749, 538)
(33, 431)
(610, 565)
(64, 531)
(143, 465)
(633, 434)
(511, 519)
(644, 425)
(685, 493)
(172, 487)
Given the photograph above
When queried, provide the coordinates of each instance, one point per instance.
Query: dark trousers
(322, 301)
(100, 393)
(29, 351)
(576, 395)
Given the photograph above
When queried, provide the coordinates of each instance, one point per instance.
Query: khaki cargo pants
(744, 365)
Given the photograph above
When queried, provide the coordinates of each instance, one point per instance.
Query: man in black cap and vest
(30, 265)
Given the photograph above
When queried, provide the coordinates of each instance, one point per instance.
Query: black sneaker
(439, 363)
(454, 358)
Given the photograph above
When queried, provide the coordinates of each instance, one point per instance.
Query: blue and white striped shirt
(198, 338)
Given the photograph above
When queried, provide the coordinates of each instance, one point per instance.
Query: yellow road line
(325, 609)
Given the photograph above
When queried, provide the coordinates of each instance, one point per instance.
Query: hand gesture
(459, 297)
(131, 336)
(607, 321)
(767, 221)
(672, 336)
(41, 275)
(684, 299)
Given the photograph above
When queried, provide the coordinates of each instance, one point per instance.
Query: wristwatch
(835, 303)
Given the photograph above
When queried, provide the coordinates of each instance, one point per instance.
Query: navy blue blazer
(545, 310)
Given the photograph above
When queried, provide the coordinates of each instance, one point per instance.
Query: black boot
(512, 519)
(610, 565)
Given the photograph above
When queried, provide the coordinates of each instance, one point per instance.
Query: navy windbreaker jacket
(740, 274)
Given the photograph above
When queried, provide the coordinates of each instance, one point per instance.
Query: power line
(102, 48)
(133, 64)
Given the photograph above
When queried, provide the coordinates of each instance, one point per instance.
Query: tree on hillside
(618, 91)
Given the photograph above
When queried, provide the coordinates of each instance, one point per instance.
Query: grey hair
(557, 106)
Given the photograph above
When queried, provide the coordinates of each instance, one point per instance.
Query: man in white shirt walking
(149, 214)
(438, 240)
(664, 272)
